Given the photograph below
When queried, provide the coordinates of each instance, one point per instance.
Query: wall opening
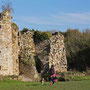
(18, 33)
(0, 67)
(0, 27)
(0, 15)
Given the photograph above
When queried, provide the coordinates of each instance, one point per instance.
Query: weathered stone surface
(29, 72)
(27, 53)
(57, 55)
(8, 47)
(20, 55)
(42, 52)
(52, 52)
(15, 49)
(6, 62)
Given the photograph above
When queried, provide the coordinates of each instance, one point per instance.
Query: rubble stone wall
(6, 62)
(15, 49)
(19, 54)
(26, 57)
(57, 55)
(52, 52)
(8, 46)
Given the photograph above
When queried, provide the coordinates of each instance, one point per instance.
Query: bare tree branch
(7, 5)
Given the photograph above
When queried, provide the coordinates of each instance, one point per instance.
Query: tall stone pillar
(6, 62)
(57, 55)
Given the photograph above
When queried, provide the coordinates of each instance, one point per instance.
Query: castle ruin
(20, 56)
(8, 54)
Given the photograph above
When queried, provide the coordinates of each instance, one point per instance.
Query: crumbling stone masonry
(26, 58)
(52, 52)
(57, 55)
(21, 56)
(8, 50)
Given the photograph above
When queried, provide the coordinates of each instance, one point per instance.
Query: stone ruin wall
(6, 52)
(57, 55)
(42, 52)
(6, 62)
(49, 52)
(15, 49)
(52, 52)
(26, 57)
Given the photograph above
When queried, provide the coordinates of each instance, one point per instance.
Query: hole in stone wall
(0, 67)
(0, 27)
(0, 15)
(0, 51)
(18, 43)
(63, 49)
(18, 33)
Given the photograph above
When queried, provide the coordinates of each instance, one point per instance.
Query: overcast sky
(51, 14)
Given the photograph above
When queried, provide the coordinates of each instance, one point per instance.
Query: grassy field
(17, 85)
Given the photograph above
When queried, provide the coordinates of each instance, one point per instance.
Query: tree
(77, 49)
(7, 5)
(24, 30)
(41, 36)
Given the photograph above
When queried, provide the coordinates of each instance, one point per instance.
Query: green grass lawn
(17, 85)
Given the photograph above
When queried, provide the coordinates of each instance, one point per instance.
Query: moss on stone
(14, 26)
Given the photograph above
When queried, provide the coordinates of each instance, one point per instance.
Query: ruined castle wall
(48, 52)
(15, 49)
(57, 55)
(42, 52)
(6, 62)
(26, 57)
(52, 52)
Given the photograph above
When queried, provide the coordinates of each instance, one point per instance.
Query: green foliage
(41, 36)
(77, 49)
(73, 76)
(24, 30)
(80, 78)
(14, 26)
(8, 78)
(61, 79)
(26, 59)
(46, 35)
